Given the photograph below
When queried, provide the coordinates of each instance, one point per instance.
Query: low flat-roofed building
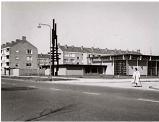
(77, 60)
(124, 64)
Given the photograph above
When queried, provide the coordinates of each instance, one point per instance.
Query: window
(29, 51)
(7, 49)
(72, 60)
(72, 55)
(7, 63)
(2, 51)
(16, 64)
(69, 55)
(66, 55)
(7, 56)
(28, 64)
(16, 57)
(66, 60)
(29, 58)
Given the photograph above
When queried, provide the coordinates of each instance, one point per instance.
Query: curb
(151, 87)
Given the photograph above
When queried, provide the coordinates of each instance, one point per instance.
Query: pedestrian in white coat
(136, 77)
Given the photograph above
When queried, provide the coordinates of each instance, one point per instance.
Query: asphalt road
(31, 101)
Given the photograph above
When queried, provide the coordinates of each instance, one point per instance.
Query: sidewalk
(147, 84)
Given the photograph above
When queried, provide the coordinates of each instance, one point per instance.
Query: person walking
(136, 78)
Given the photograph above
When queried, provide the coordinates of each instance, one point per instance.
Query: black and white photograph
(79, 60)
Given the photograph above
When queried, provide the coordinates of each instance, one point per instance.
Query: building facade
(19, 58)
(124, 64)
(78, 60)
(43, 61)
(82, 55)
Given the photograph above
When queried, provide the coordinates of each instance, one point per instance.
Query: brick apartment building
(19, 58)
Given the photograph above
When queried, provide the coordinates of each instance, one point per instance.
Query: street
(36, 101)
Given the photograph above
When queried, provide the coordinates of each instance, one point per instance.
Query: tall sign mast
(54, 51)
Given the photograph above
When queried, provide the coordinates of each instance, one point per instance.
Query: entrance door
(152, 68)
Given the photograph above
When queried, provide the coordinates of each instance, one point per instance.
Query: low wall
(28, 72)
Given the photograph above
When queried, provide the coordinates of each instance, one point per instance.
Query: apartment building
(43, 61)
(19, 58)
(82, 55)
(78, 60)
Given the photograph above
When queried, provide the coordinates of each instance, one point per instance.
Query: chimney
(81, 47)
(3, 45)
(13, 42)
(7, 43)
(17, 40)
(24, 38)
(66, 46)
(138, 51)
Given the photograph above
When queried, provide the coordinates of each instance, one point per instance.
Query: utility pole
(54, 51)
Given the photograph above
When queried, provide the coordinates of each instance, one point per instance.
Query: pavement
(147, 83)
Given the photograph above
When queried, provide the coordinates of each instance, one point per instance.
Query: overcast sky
(113, 25)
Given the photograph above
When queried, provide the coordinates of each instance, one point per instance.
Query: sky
(112, 25)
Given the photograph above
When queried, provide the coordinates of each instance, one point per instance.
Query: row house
(19, 58)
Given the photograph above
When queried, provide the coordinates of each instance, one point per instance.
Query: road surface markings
(55, 89)
(91, 93)
(32, 86)
(148, 100)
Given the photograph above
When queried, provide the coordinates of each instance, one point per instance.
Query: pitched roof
(95, 50)
(11, 44)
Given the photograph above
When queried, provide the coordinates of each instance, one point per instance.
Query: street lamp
(39, 26)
